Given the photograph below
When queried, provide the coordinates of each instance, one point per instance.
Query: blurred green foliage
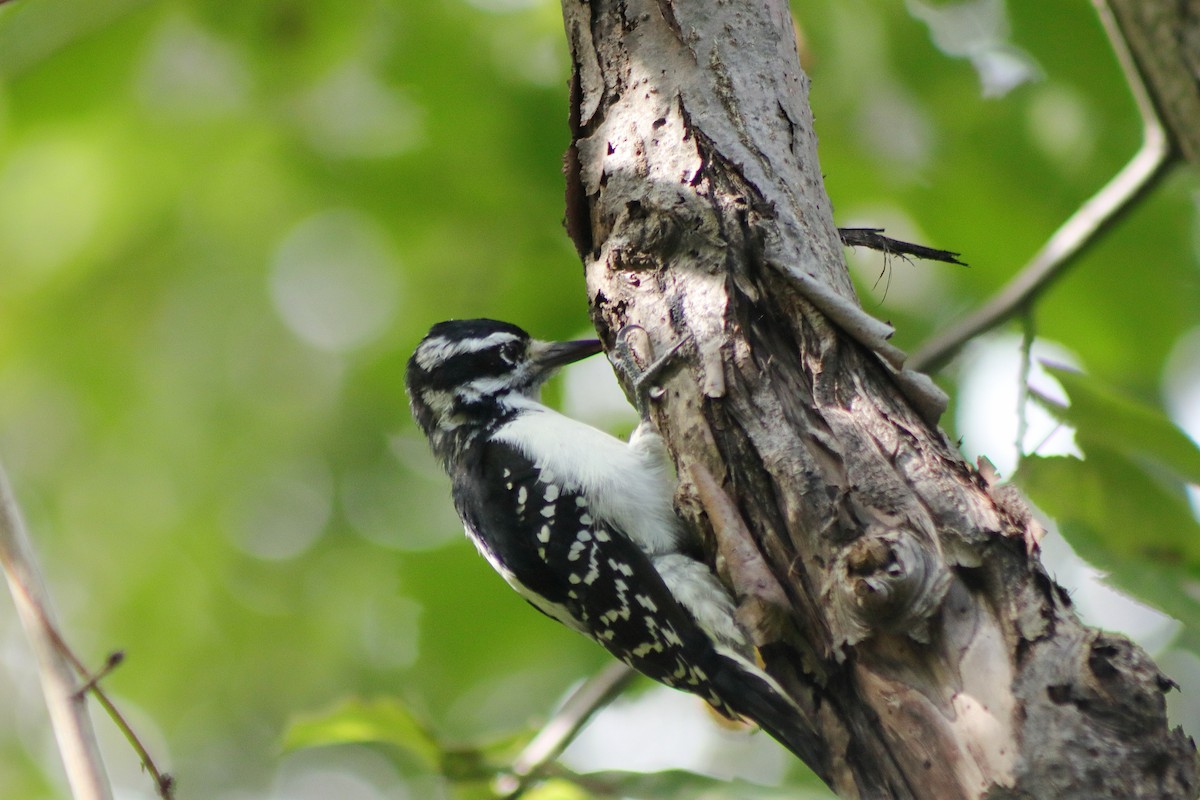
(1124, 507)
(224, 226)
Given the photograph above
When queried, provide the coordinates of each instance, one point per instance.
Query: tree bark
(1164, 37)
(892, 587)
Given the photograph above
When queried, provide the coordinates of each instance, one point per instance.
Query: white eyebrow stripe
(439, 349)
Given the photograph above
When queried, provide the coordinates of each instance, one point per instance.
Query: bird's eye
(511, 352)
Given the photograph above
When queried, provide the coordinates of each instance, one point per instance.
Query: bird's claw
(642, 378)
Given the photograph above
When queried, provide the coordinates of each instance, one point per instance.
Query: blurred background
(225, 225)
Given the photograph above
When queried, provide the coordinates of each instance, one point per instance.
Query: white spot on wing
(552, 609)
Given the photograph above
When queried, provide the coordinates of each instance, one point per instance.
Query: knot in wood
(871, 557)
(886, 581)
(652, 232)
(631, 261)
(1120, 688)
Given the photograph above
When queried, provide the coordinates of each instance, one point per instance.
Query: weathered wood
(917, 631)
(1164, 37)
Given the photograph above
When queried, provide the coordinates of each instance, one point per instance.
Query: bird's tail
(754, 695)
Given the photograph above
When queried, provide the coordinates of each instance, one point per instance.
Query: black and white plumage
(580, 523)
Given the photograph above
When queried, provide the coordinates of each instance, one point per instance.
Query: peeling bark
(890, 586)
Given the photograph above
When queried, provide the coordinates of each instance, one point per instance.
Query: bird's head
(476, 372)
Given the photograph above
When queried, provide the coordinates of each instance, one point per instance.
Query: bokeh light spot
(352, 113)
(52, 196)
(285, 513)
(979, 30)
(334, 281)
(190, 73)
(987, 402)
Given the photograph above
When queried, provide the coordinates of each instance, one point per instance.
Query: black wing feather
(609, 589)
(565, 555)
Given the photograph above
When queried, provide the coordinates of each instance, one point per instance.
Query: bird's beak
(549, 356)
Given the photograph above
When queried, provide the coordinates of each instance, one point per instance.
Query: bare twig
(113, 661)
(1082, 229)
(592, 695)
(68, 711)
(32, 600)
(874, 239)
(1027, 337)
(164, 783)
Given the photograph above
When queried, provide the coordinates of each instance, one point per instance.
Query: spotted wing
(573, 567)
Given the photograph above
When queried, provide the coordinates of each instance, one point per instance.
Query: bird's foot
(629, 356)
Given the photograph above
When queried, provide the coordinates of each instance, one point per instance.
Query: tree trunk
(889, 584)
(1164, 37)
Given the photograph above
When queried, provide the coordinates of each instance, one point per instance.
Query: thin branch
(1027, 337)
(68, 711)
(1082, 229)
(549, 743)
(26, 583)
(164, 784)
(874, 239)
(114, 660)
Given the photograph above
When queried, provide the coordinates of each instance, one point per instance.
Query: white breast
(627, 484)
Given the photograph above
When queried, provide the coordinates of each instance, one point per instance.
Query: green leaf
(557, 789)
(1126, 522)
(385, 721)
(683, 784)
(1124, 507)
(1100, 415)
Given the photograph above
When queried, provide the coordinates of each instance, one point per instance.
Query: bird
(582, 524)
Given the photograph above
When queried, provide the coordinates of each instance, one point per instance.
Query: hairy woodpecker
(580, 523)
